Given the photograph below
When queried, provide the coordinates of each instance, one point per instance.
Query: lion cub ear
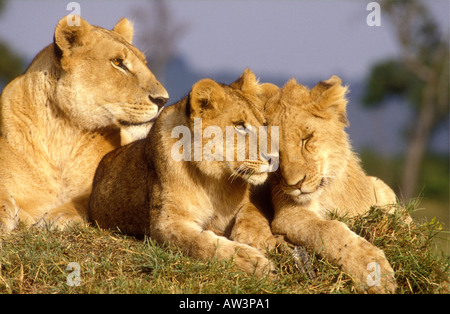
(125, 28)
(68, 36)
(330, 97)
(247, 83)
(205, 96)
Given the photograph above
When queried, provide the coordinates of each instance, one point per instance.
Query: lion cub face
(313, 143)
(105, 80)
(227, 123)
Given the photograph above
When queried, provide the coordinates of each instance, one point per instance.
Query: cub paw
(369, 268)
(252, 261)
(261, 240)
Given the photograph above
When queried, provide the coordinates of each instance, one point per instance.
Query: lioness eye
(117, 62)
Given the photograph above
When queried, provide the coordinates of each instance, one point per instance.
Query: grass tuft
(420, 266)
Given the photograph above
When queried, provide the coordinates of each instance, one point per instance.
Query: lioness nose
(159, 101)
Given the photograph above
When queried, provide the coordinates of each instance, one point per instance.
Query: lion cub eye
(239, 126)
(118, 63)
(305, 140)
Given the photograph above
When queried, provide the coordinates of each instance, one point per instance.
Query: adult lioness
(146, 188)
(63, 114)
(319, 173)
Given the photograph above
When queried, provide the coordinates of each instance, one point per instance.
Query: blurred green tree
(11, 65)
(420, 74)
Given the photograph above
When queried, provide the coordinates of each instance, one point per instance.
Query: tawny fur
(62, 115)
(319, 174)
(141, 189)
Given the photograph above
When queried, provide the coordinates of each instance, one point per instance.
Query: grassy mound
(36, 261)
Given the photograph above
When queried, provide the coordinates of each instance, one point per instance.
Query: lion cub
(319, 173)
(160, 188)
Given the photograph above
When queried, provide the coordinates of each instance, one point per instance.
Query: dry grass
(35, 261)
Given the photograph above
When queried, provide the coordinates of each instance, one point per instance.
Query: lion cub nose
(159, 101)
(298, 185)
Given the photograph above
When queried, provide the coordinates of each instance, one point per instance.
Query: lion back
(119, 190)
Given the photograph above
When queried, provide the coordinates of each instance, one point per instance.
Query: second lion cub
(142, 189)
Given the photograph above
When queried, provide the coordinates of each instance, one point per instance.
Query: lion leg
(67, 214)
(251, 227)
(206, 245)
(9, 213)
(333, 240)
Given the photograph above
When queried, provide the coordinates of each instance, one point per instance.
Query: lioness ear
(247, 82)
(205, 95)
(68, 35)
(125, 28)
(329, 97)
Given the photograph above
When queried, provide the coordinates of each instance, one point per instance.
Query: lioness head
(226, 121)
(313, 144)
(104, 80)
